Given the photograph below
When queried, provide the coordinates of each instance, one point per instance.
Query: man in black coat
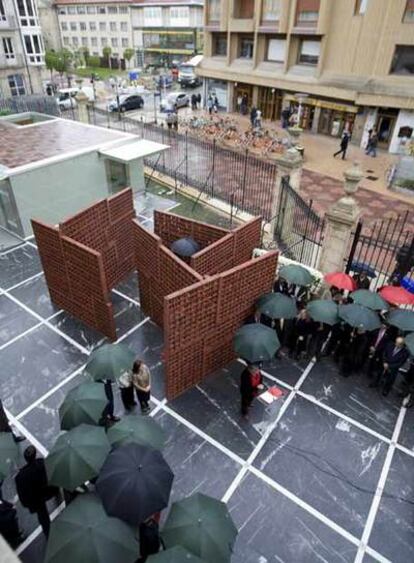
(394, 357)
(344, 145)
(32, 488)
(9, 525)
(362, 280)
(378, 340)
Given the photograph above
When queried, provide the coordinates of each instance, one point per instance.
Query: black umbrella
(362, 268)
(135, 481)
(185, 247)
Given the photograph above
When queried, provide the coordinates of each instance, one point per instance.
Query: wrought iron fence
(385, 249)
(237, 178)
(298, 229)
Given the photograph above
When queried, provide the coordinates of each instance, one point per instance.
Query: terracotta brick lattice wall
(171, 227)
(200, 321)
(87, 256)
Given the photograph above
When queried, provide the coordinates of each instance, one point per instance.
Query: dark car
(127, 103)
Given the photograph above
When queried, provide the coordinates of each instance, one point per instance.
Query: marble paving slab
(129, 286)
(14, 320)
(285, 369)
(18, 265)
(274, 529)
(34, 364)
(326, 462)
(407, 431)
(352, 397)
(35, 295)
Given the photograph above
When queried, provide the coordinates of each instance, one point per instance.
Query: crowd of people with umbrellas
(115, 483)
(365, 332)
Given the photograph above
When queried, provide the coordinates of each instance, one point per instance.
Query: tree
(128, 54)
(85, 54)
(50, 62)
(106, 51)
(63, 63)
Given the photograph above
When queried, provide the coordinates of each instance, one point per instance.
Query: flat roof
(133, 150)
(21, 146)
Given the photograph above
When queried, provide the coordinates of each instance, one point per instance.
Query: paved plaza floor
(326, 473)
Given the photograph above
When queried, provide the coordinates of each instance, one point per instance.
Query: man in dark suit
(378, 340)
(9, 525)
(32, 488)
(362, 280)
(394, 357)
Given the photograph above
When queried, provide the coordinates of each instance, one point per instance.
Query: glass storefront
(218, 88)
(270, 103)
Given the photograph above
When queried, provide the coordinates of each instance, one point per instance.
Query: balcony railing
(8, 61)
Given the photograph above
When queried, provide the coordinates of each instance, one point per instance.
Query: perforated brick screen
(200, 321)
(87, 256)
(171, 227)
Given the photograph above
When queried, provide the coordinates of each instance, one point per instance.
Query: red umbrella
(397, 295)
(340, 280)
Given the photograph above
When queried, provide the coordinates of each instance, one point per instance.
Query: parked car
(66, 98)
(126, 103)
(174, 101)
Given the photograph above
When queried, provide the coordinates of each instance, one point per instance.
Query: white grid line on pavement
(30, 243)
(405, 450)
(19, 336)
(133, 329)
(18, 246)
(23, 430)
(16, 285)
(370, 521)
(131, 299)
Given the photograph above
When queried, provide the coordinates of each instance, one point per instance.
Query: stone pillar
(82, 101)
(316, 118)
(288, 164)
(255, 96)
(340, 219)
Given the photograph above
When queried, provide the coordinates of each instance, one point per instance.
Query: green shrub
(94, 61)
(4, 112)
(406, 183)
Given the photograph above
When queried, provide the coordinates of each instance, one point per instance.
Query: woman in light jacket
(141, 379)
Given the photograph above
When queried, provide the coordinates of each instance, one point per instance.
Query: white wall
(405, 119)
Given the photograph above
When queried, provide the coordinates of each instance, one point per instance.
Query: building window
(102, 26)
(101, 10)
(75, 41)
(91, 9)
(16, 84)
(123, 10)
(403, 61)
(112, 10)
(243, 9)
(124, 42)
(309, 52)
(276, 50)
(62, 11)
(27, 13)
(94, 41)
(271, 10)
(64, 26)
(114, 42)
(92, 26)
(112, 26)
(2, 12)
(409, 12)
(307, 16)
(361, 6)
(115, 55)
(84, 41)
(66, 40)
(81, 9)
(219, 44)
(214, 10)
(152, 15)
(124, 26)
(180, 16)
(71, 10)
(82, 26)
(104, 41)
(73, 26)
(8, 47)
(34, 48)
(246, 45)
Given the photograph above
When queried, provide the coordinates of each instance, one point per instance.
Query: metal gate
(385, 248)
(298, 228)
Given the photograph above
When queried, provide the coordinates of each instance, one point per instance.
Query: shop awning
(323, 104)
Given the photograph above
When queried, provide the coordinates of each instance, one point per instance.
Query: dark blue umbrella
(361, 267)
(185, 247)
(408, 284)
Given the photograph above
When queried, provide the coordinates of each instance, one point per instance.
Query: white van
(66, 98)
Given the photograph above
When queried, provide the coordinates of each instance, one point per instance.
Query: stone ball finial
(81, 97)
(353, 176)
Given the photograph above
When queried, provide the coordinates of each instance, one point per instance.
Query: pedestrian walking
(251, 382)
(258, 120)
(149, 538)
(372, 145)
(9, 523)
(319, 335)
(343, 145)
(174, 118)
(126, 389)
(244, 104)
(215, 104)
(141, 379)
(32, 488)
(108, 412)
(285, 117)
(378, 340)
(193, 102)
(198, 100)
(5, 425)
(395, 356)
(210, 104)
(169, 120)
(253, 113)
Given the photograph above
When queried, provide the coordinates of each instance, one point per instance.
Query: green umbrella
(202, 525)
(83, 532)
(369, 299)
(110, 361)
(359, 316)
(296, 274)
(323, 311)
(83, 404)
(409, 340)
(402, 319)
(9, 453)
(77, 456)
(137, 429)
(256, 343)
(176, 554)
(277, 306)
